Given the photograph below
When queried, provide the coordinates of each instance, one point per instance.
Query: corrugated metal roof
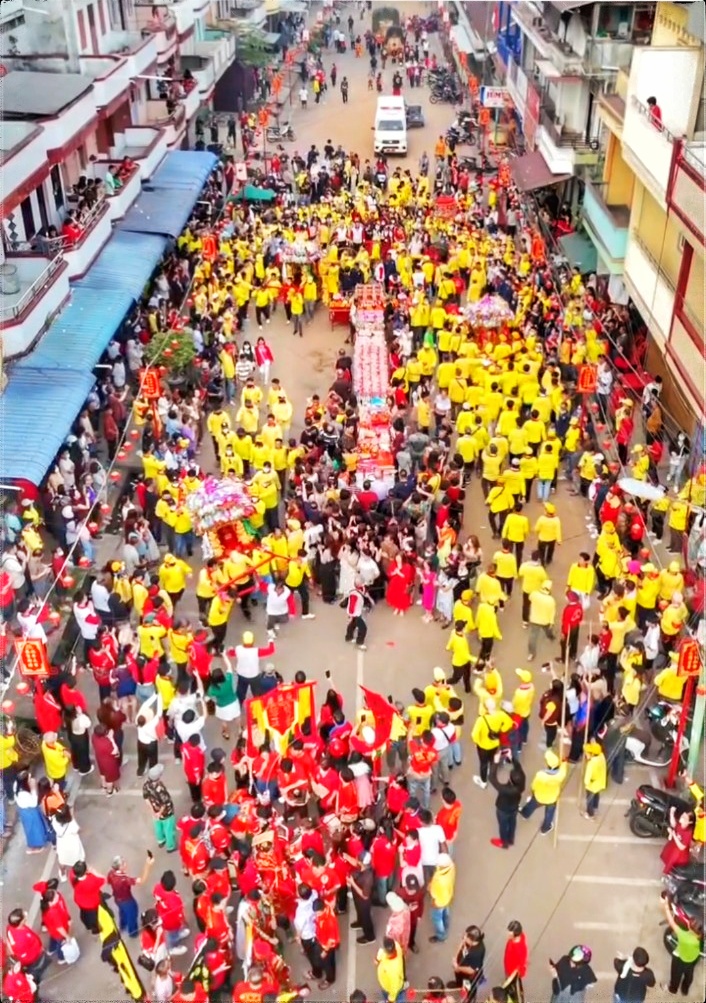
(36, 414)
(184, 169)
(79, 335)
(165, 211)
(126, 263)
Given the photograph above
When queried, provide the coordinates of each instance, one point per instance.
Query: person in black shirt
(572, 975)
(362, 882)
(634, 977)
(468, 963)
(507, 802)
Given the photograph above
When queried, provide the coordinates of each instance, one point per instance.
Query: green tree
(251, 49)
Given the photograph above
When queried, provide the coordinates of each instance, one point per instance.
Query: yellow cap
(466, 595)
(592, 749)
(248, 637)
(524, 675)
(549, 508)
(674, 567)
(551, 759)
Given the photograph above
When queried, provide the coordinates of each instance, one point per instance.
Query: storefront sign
(689, 663)
(494, 97)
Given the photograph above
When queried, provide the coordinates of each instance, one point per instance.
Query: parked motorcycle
(693, 873)
(280, 133)
(649, 811)
(462, 128)
(445, 93)
(663, 727)
(684, 907)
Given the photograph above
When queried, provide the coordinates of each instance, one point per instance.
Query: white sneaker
(271, 635)
(178, 950)
(362, 647)
(479, 783)
(308, 616)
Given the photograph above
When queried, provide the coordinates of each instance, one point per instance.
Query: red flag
(384, 714)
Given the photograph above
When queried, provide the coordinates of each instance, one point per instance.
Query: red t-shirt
(25, 945)
(87, 890)
(516, 957)
(170, 908)
(384, 857)
(448, 817)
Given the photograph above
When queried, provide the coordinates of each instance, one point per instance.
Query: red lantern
(115, 475)
(134, 433)
(645, 553)
(93, 528)
(121, 455)
(163, 370)
(105, 509)
(84, 562)
(167, 353)
(614, 467)
(607, 443)
(175, 342)
(7, 706)
(22, 687)
(600, 427)
(127, 447)
(67, 581)
(594, 407)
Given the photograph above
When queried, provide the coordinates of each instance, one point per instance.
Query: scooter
(650, 809)
(461, 129)
(684, 907)
(280, 133)
(693, 873)
(663, 720)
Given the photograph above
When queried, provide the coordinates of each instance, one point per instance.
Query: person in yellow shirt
(270, 432)
(648, 588)
(595, 777)
(462, 610)
(296, 304)
(515, 531)
(57, 759)
(548, 530)
(489, 587)
(499, 501)
(547, 466)
(419, 714)
(297, 579)
(529, 466)
(673, 620)
(227, 361)
(671, 580)
(491, 723)
(535, 431)
(582, 578)
(164, 684)
(488, 630)
(522, 702)
(532, 574)
(266, 482)
(670, 684)
(542, 616)
(505, 566)
(545, 790)
(9, 758)
(179, 638)
(217, 618)
(461, 657)
(248, 417)
(149, 637)
(173, 573)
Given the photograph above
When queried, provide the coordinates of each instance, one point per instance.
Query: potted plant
(174, 349)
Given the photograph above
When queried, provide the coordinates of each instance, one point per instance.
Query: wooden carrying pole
(565, 680)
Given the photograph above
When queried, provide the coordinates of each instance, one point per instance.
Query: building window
(82, 36)
(614, 21)
(28, 219)
(101, 16)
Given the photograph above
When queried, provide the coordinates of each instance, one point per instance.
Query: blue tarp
(36, 412)
(184, 169)
(165, 212)
(79, 335)
(126, 263)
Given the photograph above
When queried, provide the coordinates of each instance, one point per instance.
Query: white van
(390, 125)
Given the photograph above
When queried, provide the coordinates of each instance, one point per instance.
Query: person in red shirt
(47, 710)
(516, 954)
(383, 852)
(18, 986)
(449, 816)
(396, 796)
(193, 762)
(193, 850)
(199, 655)
(190, 991)
(87, 886)
(56, 919)
(423, 757)
(328, 940)
(170, 910)
(71, 696)
(255, 989)
(25, 945)
(214, 789)
(571, 618)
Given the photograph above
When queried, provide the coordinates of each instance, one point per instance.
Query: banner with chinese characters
(279, 716)
(32, 655)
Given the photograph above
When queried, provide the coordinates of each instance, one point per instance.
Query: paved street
(595, 884)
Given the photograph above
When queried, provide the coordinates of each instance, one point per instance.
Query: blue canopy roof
(165, 211)
(126, 263)
(79, 335)
(184, 169)
(36, 413)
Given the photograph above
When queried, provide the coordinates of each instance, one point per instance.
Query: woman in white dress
(348, 557)
(69, 848)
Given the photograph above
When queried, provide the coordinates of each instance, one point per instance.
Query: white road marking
(612, 927)
(359, 678)
(604, 879)
(615, 801)
(96, 792)
(589, 837)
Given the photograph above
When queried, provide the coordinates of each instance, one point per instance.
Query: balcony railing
(88, 221)
(54, 263)
(561, 136)
(661, 274)
(657, 125)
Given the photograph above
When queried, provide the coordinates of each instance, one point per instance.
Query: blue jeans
(441, 920)
(592, 801)
(183, 543)
(382, 887)
(229, 390)
(523, 731)
(175, 937)
(54, 948)
(507, 824)
(543, 490)
(456, 753)
(531, 806)
(420, 788)
(128, 915)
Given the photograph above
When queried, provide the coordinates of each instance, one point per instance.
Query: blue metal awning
(81, 332)
(36, 413)
(126, 263)
(165, 211)
(183, 169)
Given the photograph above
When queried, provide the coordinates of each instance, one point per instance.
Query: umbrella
(641, 489)
(251, 193)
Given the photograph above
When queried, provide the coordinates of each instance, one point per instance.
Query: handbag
(146, 962)
(70, 951)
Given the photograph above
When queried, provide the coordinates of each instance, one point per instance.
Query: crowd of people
(356, 808)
